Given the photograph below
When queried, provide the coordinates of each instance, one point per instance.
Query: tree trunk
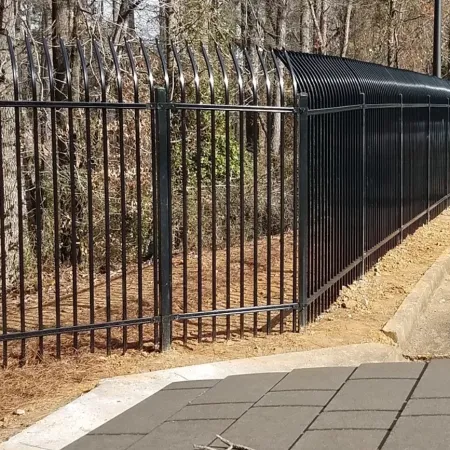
(324, 26)
(346, 34)
(306, 27)
(166, 26)
(280, 42)
(392, 53)
(64, 19)
(13, 204)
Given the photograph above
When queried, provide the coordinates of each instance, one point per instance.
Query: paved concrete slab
(116, 395)
(105, 442)
(427, 406)
(147, 415)
(430, 336)
(420, 433)
(181, 435)
(196, 384)
(340, 439)
(367, 420)
(436, 380)
(389, 370)
(296, 398)
(212, 412)
(393, 407)
(315, 379)
(402, 328)
(382, 394)
(270, 428)
(240, 389)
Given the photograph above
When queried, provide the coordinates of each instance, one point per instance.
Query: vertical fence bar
(401, 180)
(37, 192)
(3, 253)
(163, 148)
(106, 192)
(199, 155)
(447, 155)
(269, 118)
(213, 191)
(185, 176)
(303, 199)
(123, 200)
(279, 84)
(363, 184)
(137, 134)
(254, 149)
(55, 182)
(73, 190)
(19, 179)
(429, 159)
(241, 192)
(87, 113)
(153, 245)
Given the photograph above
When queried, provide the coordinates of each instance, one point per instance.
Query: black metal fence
(150, 194)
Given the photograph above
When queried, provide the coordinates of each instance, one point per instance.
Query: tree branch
(230, 444)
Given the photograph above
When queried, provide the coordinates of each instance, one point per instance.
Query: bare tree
(13, 200)
(346, 34)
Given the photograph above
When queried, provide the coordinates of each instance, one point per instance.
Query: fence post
(402, 162)
(303, 209)
(429, 159)
(364, 184)
(165, 222)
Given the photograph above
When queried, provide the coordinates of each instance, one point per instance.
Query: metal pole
(437, 58)
(303, 209)
(429, 160)
(363, 185)
(163, 121)
(402, 164)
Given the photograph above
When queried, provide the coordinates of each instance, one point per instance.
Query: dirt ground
(281, 289)
(357, 317)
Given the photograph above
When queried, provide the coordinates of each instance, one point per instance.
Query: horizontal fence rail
(151, 194)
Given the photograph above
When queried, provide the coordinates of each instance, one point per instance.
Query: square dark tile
(340, 440)
(385, 394)
(315, 379)
(105, 442)
(435, 380)
(150, 413)
(195, 384)
(354, 419)
(270, 428)
(419, 433)
(240, 389)
(212, 411)
(389, 370)
(181, 435)
(424, 406)
(296, 398)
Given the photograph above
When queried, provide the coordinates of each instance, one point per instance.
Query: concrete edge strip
(113, 396)
(400, 326)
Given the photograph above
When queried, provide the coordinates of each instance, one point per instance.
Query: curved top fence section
(331, 81)
(100, 71)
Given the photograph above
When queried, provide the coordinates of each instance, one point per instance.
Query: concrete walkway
(390, 406)
(431, 334)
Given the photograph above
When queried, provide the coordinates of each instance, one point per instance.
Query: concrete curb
(399, 327)
(115, 395)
